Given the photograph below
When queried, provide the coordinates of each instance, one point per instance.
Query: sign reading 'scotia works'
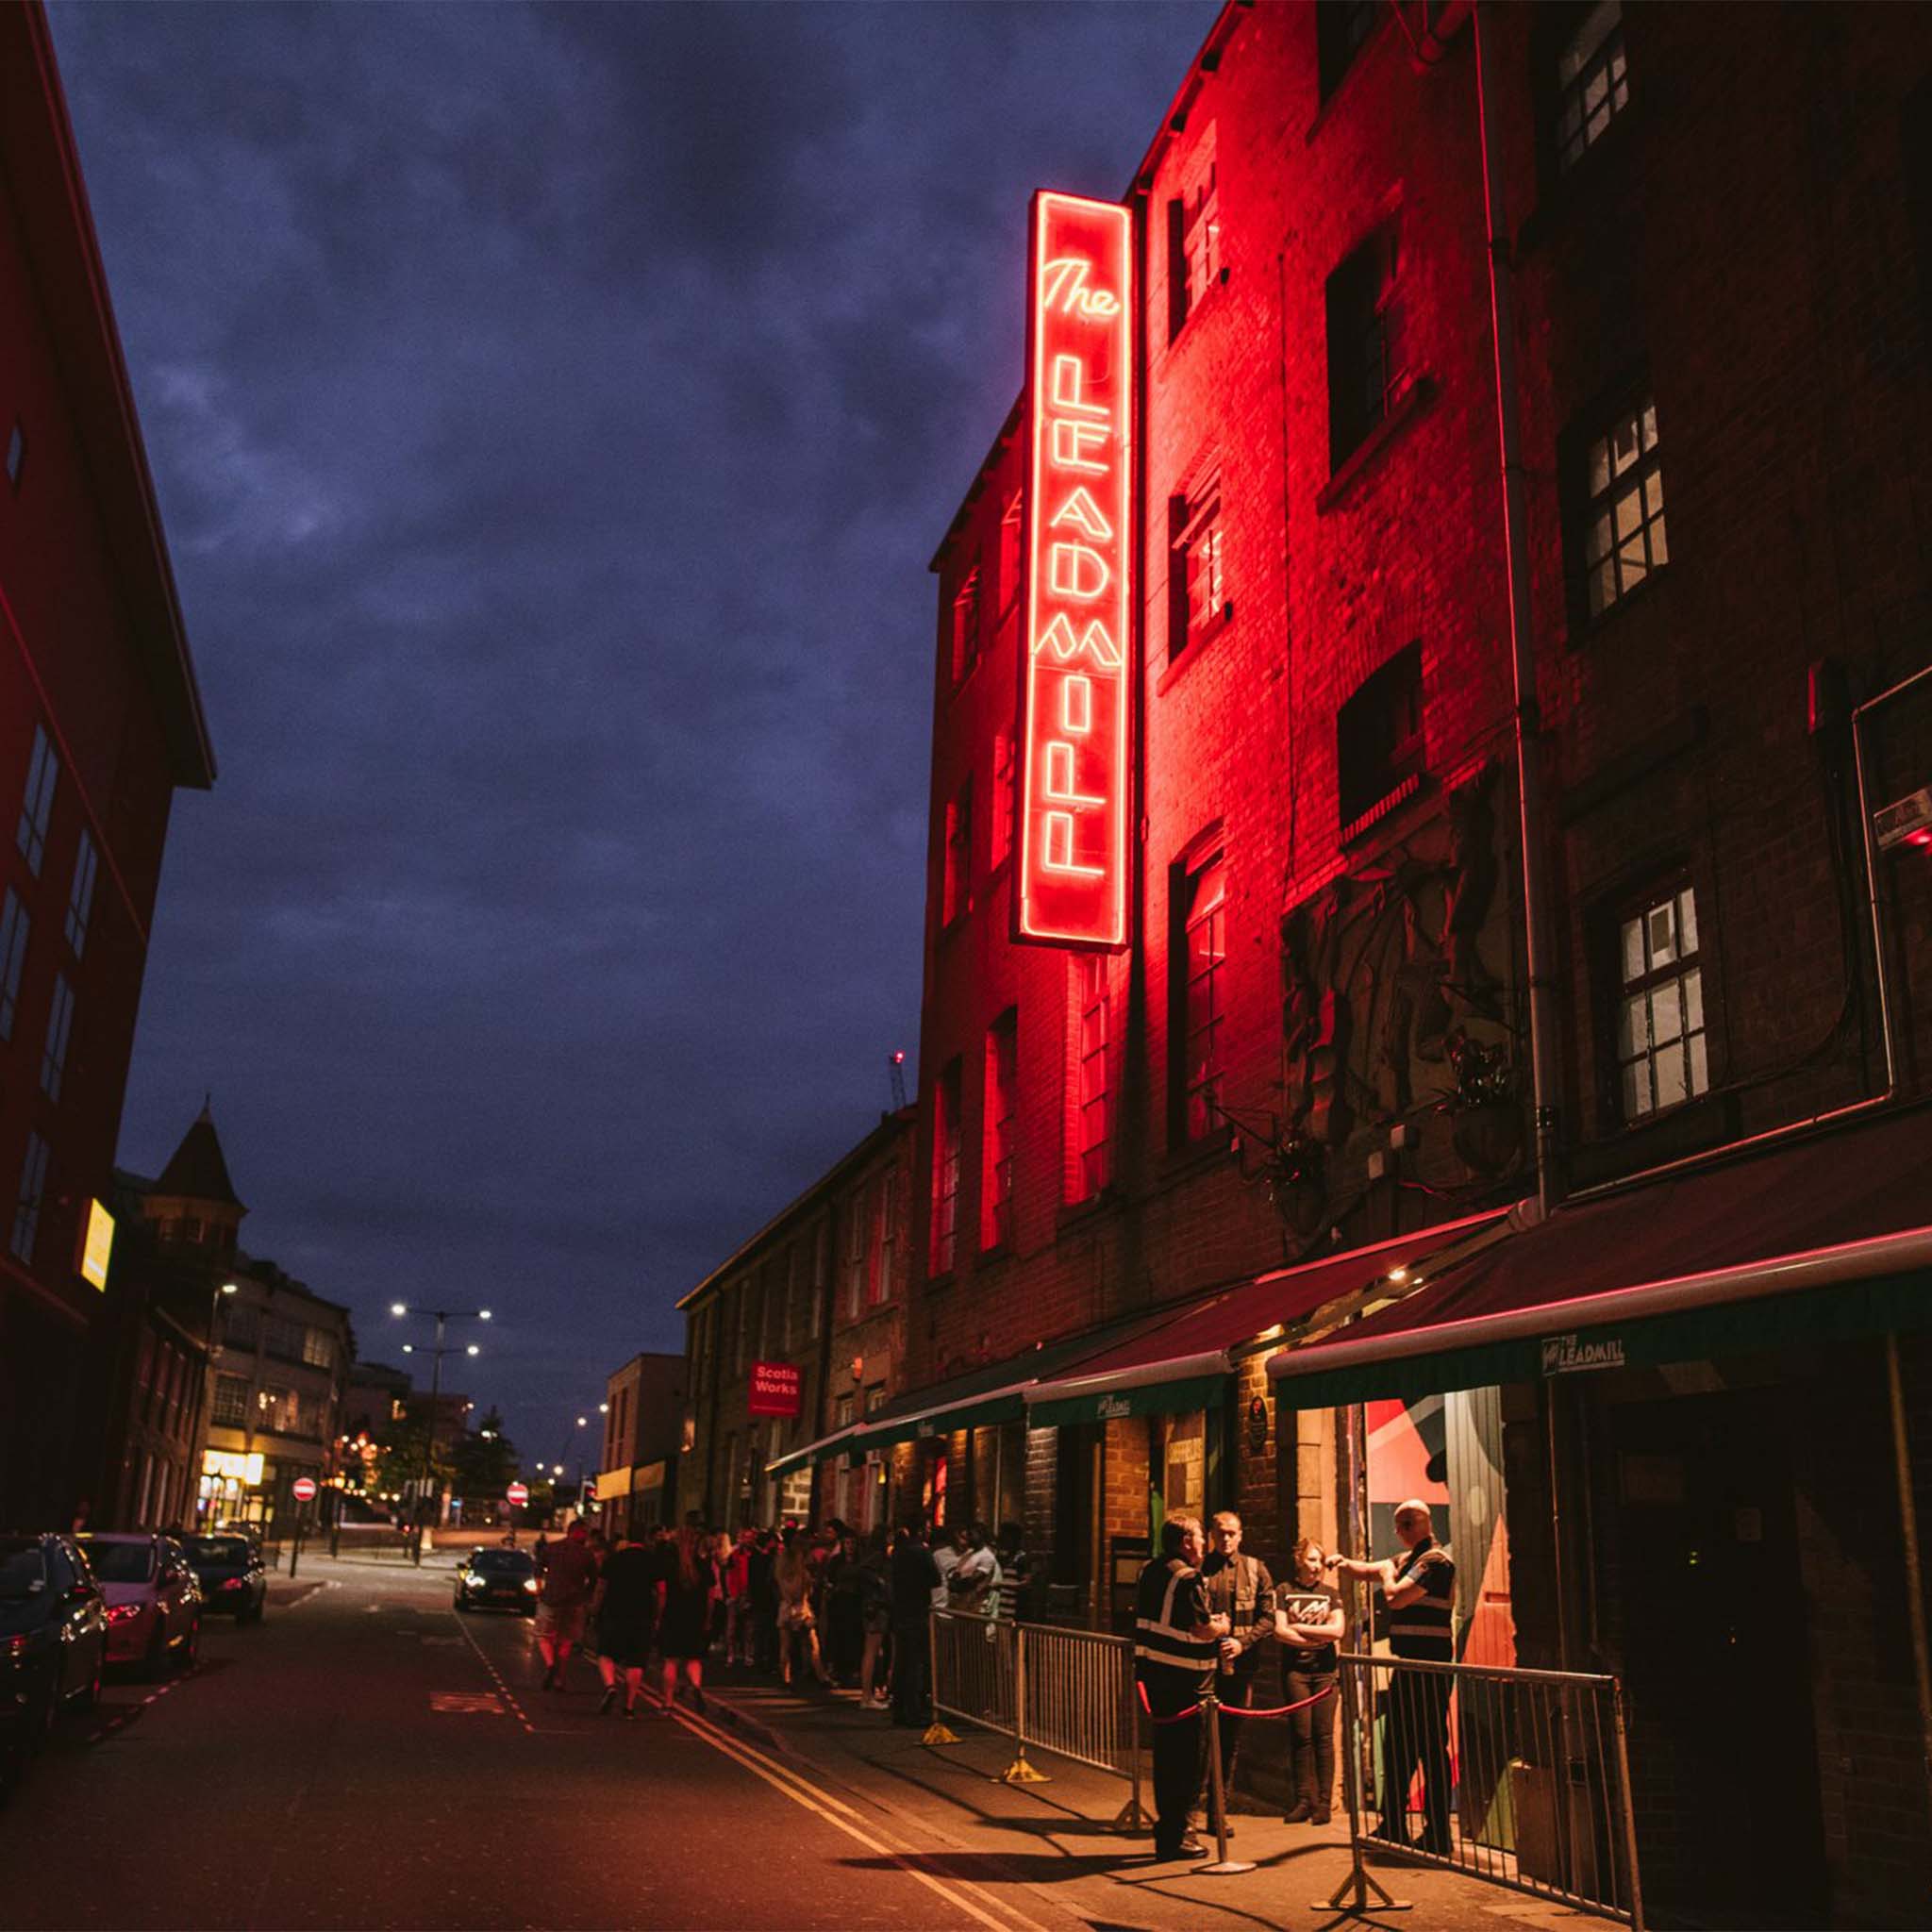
(1074, 774)
(777, 1388)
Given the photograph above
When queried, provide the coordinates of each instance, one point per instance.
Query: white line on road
(510, 1695)
(801, 1791)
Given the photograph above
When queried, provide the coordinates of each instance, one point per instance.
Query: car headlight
(531, 1584)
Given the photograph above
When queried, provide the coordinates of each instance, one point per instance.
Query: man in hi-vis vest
(1176, 1645)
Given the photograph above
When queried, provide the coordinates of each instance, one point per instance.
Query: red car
(154, 1601)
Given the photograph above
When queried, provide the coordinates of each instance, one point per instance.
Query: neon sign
(1073, 777)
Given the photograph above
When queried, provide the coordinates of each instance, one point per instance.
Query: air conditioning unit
(1907, 823)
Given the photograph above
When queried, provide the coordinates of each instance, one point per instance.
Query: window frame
(1632, 404)
(965, 621)
(58, 1035)
(1568, 150)
(29, 1200)
(1367, 733)
(1195, 515)
(942, 1247)
(999, 1132)
(80, 891)
(1356, 314)
(1195, 266)
(1664, 892)
(1195, 1083)
(37, 801)
(1093, 1086)
(16, 930)
(956, 858)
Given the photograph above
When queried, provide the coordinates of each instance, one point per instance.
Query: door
(1717, 1649)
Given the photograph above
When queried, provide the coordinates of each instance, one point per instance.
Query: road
(366, 1756)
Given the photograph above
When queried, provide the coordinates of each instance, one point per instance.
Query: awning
(1814, 1239)
(811, 1452)
(1183, 1361)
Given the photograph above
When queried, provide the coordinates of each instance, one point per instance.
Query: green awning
(1144, 1398)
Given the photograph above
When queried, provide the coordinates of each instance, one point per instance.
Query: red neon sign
(1075, 701)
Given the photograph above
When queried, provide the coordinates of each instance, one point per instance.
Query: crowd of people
(835, 1606)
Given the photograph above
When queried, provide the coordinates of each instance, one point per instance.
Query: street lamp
(214, 1303)
(440, 1348)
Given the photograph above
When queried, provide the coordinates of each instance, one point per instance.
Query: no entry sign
(517, 1495)
(302, 1489)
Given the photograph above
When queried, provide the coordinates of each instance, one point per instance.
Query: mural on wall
(1398, 1009)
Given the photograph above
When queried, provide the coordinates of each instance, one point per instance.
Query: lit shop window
(1194, 239)
(1091, 1089)
(945, 1170)
(36, 809)
(966, 627)
(33, 1184)
(1378, 740)
(1623, 506)
(80, 897)
(1365, 345)
(1002, 1080)
(1661, 1038)
(1593, 87)
(1202, 918)
(14, 926)
(956, 887)
(60, 1023)
(1196, 578)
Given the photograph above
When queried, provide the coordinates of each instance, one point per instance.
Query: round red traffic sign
(302, 1489)
(517, 1495)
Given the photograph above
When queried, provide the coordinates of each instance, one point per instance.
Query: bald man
(1420, 1591)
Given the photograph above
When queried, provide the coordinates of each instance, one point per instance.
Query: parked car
(154, 1600)
(53, 1637)
(233, 1578)
(499, 1580)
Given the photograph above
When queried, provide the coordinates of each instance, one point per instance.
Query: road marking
(801, 1791)
(510, 1695)
(476, 1703)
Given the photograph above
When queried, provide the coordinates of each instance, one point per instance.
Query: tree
(484, 1463)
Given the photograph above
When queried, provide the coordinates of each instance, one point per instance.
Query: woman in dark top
(685, 1581)
(1307, 1621)
(626, 1614)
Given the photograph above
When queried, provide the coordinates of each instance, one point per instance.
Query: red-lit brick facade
(99, 722)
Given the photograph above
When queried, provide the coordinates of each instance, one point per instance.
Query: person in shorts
(569, 1579)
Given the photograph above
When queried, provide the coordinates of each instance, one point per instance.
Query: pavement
(366, 1756)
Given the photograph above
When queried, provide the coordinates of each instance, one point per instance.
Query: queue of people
(833, 1606)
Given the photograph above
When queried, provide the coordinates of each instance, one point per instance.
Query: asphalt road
(368, 1758)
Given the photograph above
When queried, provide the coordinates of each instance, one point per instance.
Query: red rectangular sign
(1074, 774)
(777, 1388)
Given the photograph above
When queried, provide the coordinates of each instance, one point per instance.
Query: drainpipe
(1539, 952)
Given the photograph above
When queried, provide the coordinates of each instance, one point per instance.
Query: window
(231, 1402)
(80, 898)
(851, 1298)
(278, 1410)
(1592, 88)
(42, 773)
(1002, 848)
(1194, 239)
(843, 1412)
(1341, 31)
(1091, 972)
(1378, 740)
(14, 926)
(821, 1263)
(318, 1348)
(1002, 1081)
(945, 1168)
(958, 885)
(1201, 921)
(885, 1280)
(16, 453)
(240, 1328)
(59, 1021)
(1365, 347)
(282, 1337)
(741, 1314)
(966, 626)
(1197, 584)
(33, 1184)
(1660, 1040)
(1012, 532)
(1621, 493)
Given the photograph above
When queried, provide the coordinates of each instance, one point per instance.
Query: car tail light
(235, 1583)
(121, 1613)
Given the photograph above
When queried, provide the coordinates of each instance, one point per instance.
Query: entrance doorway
(1716, 1646)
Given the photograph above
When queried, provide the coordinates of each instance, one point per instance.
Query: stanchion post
(1355, 1891)
(1223, 1867)
(1629, 1821)
(1020, 1771)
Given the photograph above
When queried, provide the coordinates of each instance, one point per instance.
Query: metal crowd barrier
(1067, 1691)
(1535, 1771)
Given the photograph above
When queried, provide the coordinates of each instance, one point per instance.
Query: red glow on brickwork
(1073, 771)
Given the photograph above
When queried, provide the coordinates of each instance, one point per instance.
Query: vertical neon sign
(1075, 702)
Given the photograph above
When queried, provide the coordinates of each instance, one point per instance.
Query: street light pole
(440, 1348)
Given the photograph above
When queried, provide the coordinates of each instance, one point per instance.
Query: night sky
(553, 413)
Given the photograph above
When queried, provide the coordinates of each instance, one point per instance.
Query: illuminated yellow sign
(96, 1244)
(246, 1470)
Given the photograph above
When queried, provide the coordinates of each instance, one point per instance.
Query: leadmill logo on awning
(1569, 1354)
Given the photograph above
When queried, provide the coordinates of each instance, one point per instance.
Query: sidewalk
(1059, 1836)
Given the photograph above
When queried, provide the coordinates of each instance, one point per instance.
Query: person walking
(684, 1615)
(736, 1569)
(1239, 1588)
(1308, 1622)
(798, 1635)
(1420, 1592)
(568, 1577)
(915, 1582)
(1176, 1645)
(875, 1619)
(626, 1621)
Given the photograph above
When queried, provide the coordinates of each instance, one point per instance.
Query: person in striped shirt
(1176, 1645)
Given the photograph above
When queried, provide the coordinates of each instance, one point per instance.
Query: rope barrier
(1180, 1717)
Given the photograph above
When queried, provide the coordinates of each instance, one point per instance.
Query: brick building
(100, 720)
(643, 1424)
(1627, 1279)
(822, 1289)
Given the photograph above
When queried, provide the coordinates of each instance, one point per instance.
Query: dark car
(53, 1637)
(497, 1580)
(233, 1578)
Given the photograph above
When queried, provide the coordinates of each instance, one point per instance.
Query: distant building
(100, 720)
(644, 1423)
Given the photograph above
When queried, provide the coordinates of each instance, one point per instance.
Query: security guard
(1239, 1588)
(1177, 1643)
